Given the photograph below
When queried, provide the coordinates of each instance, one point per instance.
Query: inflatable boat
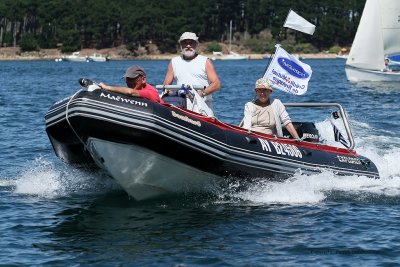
(154, 149)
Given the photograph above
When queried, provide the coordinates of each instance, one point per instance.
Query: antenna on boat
(85, 82)
(88, 84)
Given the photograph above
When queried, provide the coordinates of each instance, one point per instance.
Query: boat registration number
(280, 149)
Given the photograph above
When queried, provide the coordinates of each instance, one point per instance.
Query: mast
(230, 35)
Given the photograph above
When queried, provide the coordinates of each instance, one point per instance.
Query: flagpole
(269, 62)
(300, 24)
(279, 40)
(287, 16)
(271, 59)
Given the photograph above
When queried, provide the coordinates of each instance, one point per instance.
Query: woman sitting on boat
(267, 115)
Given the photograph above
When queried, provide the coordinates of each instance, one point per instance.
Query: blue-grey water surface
(54, 215)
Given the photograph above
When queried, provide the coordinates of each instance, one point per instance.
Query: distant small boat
(342, 56)
(98, 58)
(343, 53)
(232, 56)
(75, 57)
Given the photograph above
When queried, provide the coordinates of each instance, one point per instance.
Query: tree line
(75, 24)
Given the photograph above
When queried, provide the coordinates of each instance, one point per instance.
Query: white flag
(196, 103)
(287, 73)
(298, 23)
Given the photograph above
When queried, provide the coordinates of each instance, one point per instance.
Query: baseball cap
(134, 71)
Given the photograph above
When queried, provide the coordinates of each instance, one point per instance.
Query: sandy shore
(10, 53)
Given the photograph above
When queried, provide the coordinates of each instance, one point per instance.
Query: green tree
(79, 24)
(29, 43)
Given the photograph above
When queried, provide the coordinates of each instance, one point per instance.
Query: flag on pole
(298, 23)
(339, 136)
(287, 73)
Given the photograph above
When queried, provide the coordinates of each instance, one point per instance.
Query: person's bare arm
(292, 130)
(169, 77)
(120, 89)
(215, 84)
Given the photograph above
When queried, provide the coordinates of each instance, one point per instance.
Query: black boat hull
(206, 145)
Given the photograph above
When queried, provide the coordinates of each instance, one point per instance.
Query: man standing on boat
(135, 78)
(193, 69)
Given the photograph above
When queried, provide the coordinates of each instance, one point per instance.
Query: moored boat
(154, 149)
(75, 57)
(231, 56)
(98, 58)
(217, 55)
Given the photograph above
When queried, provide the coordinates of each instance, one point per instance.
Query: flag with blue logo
(288, 73)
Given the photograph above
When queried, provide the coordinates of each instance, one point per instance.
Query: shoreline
(14, 54)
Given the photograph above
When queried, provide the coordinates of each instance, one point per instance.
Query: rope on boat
(69, 123)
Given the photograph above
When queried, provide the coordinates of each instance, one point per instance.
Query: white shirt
(281, 116)
(191, 72)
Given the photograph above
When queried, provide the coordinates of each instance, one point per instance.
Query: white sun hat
(189, 36)
(264, 83)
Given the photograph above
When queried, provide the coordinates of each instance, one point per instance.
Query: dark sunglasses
(188, 42)
(262, 90)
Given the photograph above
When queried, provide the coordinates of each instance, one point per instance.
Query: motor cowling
(306, 130)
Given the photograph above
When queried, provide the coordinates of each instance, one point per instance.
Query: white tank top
(192, 72)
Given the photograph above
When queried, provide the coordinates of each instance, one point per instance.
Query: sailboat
(232, 55)
(377, 37)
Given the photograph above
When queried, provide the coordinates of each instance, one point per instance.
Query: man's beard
(188, 52)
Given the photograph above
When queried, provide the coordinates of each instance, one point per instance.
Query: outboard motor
(306, 130)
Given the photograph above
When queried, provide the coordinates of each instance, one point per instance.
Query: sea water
(52, 214)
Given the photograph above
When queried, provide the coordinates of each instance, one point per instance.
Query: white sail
(378, 35)
(367, 49)
(391, 26)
